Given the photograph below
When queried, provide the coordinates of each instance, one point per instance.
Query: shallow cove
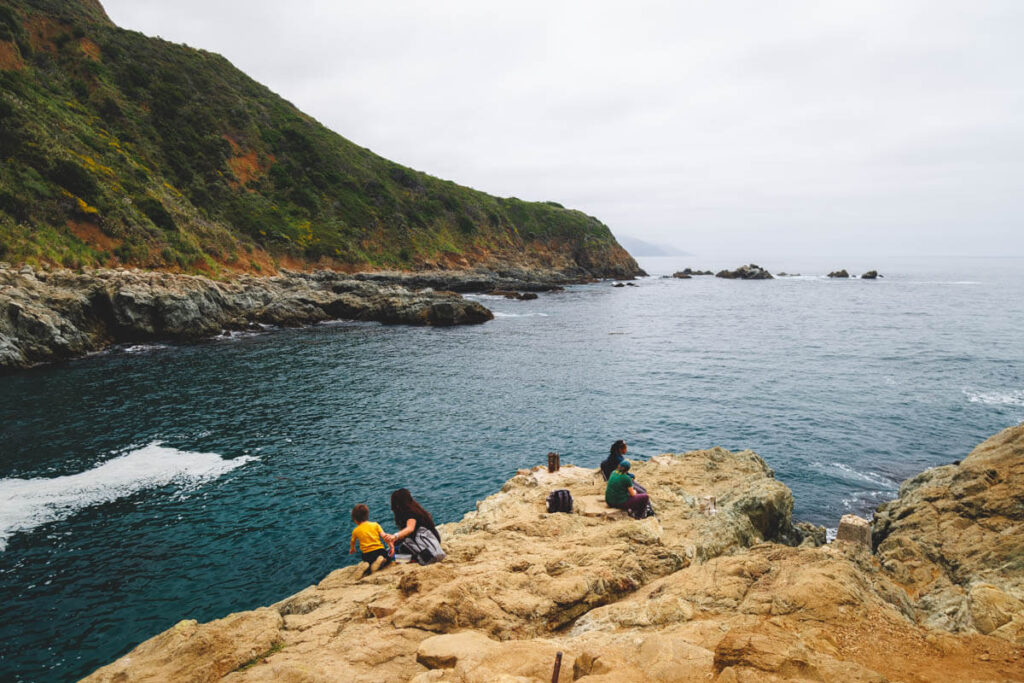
(844, 387)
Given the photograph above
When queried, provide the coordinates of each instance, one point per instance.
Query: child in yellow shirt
(371, 539)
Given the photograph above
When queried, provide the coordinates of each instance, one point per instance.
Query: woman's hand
(390, 538)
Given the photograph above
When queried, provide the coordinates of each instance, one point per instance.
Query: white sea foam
(869, 477)
(143, 348)
(848, 472)
(28, 503)
(996, 398)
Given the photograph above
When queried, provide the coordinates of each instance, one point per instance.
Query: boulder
(955, 538)
(521, 296)
(748, 272)
(687, 273)
(444, 652)
(870, 275)
(199, 652)
(854, 529)
(839, 274)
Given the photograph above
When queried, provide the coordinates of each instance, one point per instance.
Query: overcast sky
(750, 128)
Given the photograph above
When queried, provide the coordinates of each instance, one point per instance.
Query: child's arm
(352, 544)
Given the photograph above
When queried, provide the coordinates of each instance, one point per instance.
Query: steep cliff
(119, 149)
(730, 591)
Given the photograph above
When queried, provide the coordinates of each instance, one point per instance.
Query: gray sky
(754, 129)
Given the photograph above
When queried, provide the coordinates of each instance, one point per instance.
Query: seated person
(621, 492)
(618, 452)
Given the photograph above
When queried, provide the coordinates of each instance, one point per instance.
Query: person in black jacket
(615, 456)
(416, 531)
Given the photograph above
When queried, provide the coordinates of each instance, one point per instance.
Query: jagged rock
(687, 272)
(870, 275)
(811, 535)
(955, 539)
(749, 272)
(521, 296)
(72, 314)
(839, 273)
(689, 595)
(190, 651)
(500, 277)
(681, 275)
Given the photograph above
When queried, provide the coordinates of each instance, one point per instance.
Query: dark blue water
(229, 467)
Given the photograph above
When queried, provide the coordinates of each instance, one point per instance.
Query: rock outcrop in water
(687, 273)
(839, 274)
(47, 316)
(729, 590)
(749, 272)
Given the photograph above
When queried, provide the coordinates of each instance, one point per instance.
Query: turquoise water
(152, 484)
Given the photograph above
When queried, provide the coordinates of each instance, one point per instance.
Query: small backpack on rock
(560, 501)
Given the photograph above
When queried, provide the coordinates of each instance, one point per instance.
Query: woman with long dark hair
(615, 456)
(416, 531)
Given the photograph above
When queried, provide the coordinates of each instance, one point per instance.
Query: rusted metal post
(558, 667)
(553, 462)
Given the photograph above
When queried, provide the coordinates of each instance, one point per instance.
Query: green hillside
(120, 149)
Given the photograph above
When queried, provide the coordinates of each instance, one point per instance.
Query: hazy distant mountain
(638, 247)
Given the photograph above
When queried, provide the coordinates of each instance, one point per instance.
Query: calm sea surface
(152, 484)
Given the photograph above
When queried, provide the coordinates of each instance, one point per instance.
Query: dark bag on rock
(560, 501)
(423, 546)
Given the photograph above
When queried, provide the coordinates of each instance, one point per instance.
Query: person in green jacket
(620, 492)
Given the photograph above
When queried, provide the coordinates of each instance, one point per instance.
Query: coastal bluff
(721, 585)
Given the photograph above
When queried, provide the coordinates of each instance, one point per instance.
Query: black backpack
(560, 501)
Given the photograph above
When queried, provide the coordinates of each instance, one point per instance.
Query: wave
(498, 314)
(142, 348)
(28, 503)
(867, 477)
(995, 398)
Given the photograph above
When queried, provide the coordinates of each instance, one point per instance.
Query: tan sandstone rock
(854, 529)
(955, 539)
(685, 596)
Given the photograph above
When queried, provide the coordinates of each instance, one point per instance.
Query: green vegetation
(122, 149)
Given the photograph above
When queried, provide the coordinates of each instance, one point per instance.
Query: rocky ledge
(47, 316)
(721, 585)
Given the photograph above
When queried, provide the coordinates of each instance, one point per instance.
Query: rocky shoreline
(721, 585)
(51, 315)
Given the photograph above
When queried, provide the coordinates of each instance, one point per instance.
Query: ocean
(160, 482)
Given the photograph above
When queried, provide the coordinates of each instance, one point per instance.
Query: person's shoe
(376, 564)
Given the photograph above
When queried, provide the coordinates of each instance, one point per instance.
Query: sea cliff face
(729, 590)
